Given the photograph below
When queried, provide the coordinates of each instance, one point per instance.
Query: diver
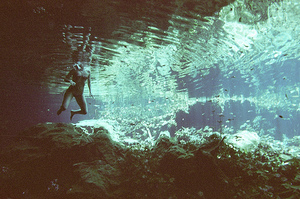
(77, 78)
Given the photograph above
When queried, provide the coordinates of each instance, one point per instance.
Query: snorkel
(78, 66)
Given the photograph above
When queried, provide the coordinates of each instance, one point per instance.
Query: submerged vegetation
(64, 161)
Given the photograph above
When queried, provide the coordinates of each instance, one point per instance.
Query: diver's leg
(66, 101)
(82, 104)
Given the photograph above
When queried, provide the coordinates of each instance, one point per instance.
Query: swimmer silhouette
(77, 78)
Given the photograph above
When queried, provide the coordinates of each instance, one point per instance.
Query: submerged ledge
(65, 161)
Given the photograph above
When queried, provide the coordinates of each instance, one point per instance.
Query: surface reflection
(158, 58)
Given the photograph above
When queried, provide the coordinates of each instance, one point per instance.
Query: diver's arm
(68, 77)
(89, 84)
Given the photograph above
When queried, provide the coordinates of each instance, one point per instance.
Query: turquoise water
(155, 67)
(192, 99)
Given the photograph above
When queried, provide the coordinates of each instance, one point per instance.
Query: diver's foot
(59, 111)
(72, 114)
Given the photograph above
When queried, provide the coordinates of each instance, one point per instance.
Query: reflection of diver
(79, 76)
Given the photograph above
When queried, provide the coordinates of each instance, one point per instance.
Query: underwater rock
(60, 159)
(194, 171)
(67, 161)
(244, 140)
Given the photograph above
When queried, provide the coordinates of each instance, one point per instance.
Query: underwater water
(174, 68)
(228, 65)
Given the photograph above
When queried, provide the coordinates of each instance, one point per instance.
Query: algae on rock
(64, 161)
